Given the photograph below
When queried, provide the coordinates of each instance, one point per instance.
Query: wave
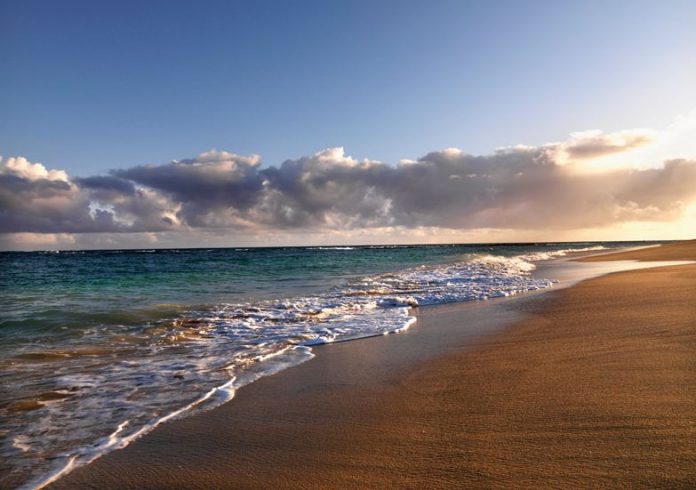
(329, 248)
(213, 398)
(165, 369)
(553, 254)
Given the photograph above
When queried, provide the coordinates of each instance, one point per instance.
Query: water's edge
(563, 270)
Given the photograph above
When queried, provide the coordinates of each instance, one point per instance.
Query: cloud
(595, 143)
(520, 188)
(327, 187)
(35, 200)
(107, 185)
(228, 179)
(517, 188)
(20, 167)
(204, 186)
(585, 146)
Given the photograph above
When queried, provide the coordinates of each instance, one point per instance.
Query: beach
(589, 386)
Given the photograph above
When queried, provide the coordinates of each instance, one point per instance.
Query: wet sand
(590, 386)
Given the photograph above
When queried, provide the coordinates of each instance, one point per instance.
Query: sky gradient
(118, 90)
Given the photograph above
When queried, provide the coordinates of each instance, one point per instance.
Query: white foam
(217, 395)
(407, 325)
(166, 370)
(330, 248)
(539, 256)
(21, 443)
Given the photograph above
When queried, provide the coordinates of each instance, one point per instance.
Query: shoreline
(237, 443)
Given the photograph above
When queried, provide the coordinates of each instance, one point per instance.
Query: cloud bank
(516, 188)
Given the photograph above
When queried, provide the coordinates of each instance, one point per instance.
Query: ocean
(99, 347)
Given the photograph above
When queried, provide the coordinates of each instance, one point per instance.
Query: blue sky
(137, 123)
(90, 86)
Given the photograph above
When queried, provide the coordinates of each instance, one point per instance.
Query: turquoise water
(47, 291)
(100, 346)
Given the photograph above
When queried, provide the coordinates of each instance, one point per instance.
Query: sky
(172, 123)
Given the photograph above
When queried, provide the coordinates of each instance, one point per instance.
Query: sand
(591, 386)
(685, 250)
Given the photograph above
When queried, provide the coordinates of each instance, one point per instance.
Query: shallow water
(99, 347)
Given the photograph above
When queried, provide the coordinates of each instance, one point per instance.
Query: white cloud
(21, 167)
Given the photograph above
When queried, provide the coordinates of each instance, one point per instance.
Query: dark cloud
(35, 200)
(214, 179)
(107, 184)
(592, 144)
(44, 206)
(306, 191)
